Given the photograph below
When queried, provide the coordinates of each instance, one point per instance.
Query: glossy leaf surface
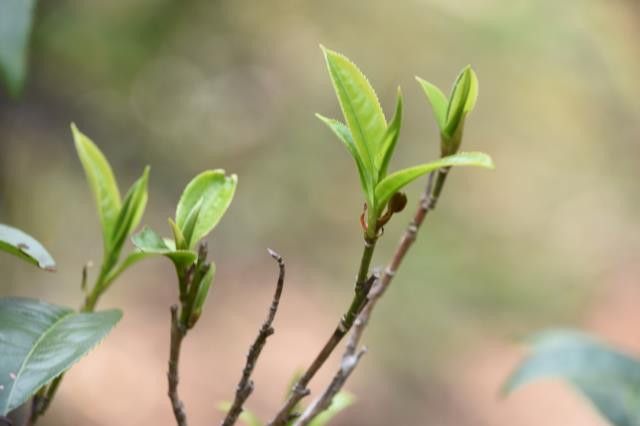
(39, 341)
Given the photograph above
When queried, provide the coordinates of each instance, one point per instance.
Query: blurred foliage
(187, 86)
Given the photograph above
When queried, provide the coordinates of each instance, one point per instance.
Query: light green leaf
(214, 191)
(359, 105)
(202, 293)
(437, 99)
(18, 243)
(343, 133)
(131, 212)
(389, 140)
(150, 243)
(178, 238)
(102, 182)
(341, 401)
(398, 180)
(607, 377)
(247, 417)
(16, 18)
(458, 101)
(472, 96)
(38, 342)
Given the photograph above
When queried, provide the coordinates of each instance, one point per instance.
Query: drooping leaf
(131, 212)
(39, 341)
(396, 181)
(247, 417)
(102, 182)
(214, 191)
(150, 243)
(343, 133)
(16, 18)
(389, 140)
(341, 401)
(437, 99)
(359, 104)
(18, 243)
(607, 377)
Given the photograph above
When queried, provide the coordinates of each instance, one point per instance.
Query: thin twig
(351, 356)
(362, 287)
(178, 331)
(245, 386)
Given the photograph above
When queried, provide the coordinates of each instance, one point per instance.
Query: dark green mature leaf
(360, 106)
(18, 243)
(16, 18)
(131, 212)
(389, 140)
(247, 417)
(398, 180)
(150, 243)
(102, 182)
(608, 378)
(437, 99)
(341, 401)
(39, 341)
(343, 133)
(211, 192)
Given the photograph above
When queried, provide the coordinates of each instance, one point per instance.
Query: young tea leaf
(608, 378)
(389, 140)
(150, 243)
(201, 295)
(343, 133)
(360, 106)
(458, 101)
(437, 99)
(18, 243)
(39, 341)
(16, 18)
(102, 182)
(131, 212)
(211, 192)
(398, 180)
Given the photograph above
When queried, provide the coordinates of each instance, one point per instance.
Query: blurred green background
(548, 238)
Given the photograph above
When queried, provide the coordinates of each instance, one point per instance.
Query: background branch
(245, 386)
(178, 331)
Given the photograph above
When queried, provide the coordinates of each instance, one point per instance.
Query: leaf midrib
(31, 352)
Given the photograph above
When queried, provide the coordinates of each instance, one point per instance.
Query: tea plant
(370, 140)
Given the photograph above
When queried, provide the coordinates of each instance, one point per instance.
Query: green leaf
(359, 105)
(178, 238)
(131, 212)
(247, 417)
(16, 18)
(102, 183)
(18, 243)
(398, 180)
(437, 99)
(39, 341)
(150, 243)
(389, 140)
(214, 191)
(607, 377)
(458, 101)
(203, 292)
(341, 401)
(343, 133)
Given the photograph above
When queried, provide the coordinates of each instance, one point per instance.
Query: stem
(362, 287)
(178, 332)
(246, 386)
(351, 355)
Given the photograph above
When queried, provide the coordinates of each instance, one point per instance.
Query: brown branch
(362, 287)
(178, 332)
(351, 356)
(245, 386)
